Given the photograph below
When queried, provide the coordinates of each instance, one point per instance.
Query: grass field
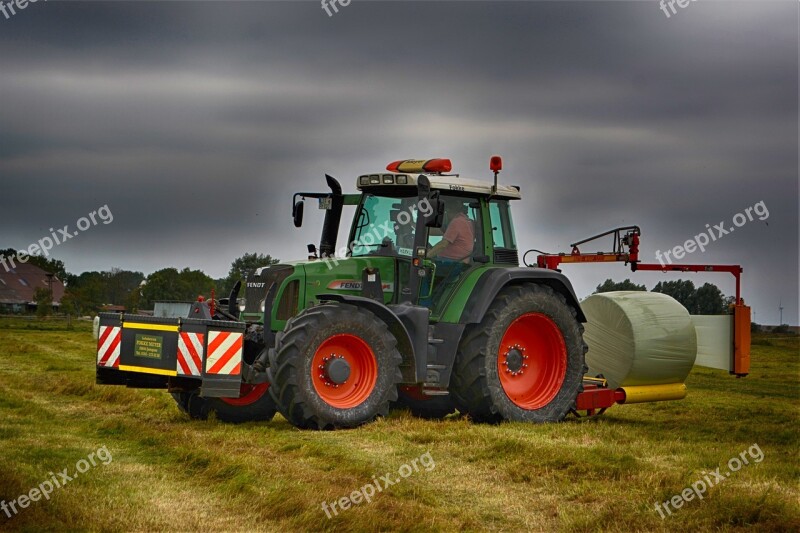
(171, 473)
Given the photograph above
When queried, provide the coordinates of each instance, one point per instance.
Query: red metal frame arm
(631, 240)
(736, 270)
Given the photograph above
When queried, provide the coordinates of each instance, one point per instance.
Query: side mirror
(436, 218)
(297, 213)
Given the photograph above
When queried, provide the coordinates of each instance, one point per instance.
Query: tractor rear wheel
(334, 365)
(525, 361)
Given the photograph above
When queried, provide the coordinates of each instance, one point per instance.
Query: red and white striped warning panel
(224, 352)
(190, 354)
(108, 346)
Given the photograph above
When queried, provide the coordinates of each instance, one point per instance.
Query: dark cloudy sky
(194, 123)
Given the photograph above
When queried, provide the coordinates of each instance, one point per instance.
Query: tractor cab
(474, 229)
(427, 228)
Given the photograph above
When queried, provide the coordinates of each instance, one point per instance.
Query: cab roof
(441, 182)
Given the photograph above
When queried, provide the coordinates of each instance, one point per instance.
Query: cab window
(385, 225)
(503, 241)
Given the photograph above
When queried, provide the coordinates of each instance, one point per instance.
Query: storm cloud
(195, 121)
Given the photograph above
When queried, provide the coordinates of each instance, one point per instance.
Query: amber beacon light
(417, 166)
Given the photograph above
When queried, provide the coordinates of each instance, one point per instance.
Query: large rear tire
(334, 366)
(525, 360)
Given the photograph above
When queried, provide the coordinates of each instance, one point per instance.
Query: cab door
(447, 274)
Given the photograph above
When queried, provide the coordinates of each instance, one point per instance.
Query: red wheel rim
(249, 394)
(532, 361)
(363, 371)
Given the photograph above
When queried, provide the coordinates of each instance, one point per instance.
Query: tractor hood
(343, 275)
(259, 284)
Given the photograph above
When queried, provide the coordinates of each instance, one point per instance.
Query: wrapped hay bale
(638, 338)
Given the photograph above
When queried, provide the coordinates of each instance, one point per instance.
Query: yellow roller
(654, 393)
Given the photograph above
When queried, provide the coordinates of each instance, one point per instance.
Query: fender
(494, 280)
(414, 356)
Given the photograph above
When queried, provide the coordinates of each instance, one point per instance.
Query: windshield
(385, 225)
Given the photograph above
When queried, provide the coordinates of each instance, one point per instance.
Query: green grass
(171, 473)
(49, 323)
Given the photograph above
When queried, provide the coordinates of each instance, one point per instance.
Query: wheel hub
(335, 370)
(514, 360)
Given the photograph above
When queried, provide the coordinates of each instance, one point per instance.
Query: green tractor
(425, 307)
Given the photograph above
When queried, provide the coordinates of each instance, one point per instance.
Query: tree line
(88, 292)
(704, 300)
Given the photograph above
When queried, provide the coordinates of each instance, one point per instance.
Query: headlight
(263, 306)
(241, 307)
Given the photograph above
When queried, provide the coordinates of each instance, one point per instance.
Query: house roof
(17, 285)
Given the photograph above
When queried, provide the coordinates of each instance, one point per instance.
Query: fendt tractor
(426, 307)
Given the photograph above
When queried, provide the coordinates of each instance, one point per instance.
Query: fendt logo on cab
(349, 285)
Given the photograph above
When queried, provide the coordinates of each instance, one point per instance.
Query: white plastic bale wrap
(638, 338)
(714, 340)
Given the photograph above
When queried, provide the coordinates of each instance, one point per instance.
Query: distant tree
(242, 267)
(705, 300)
(197, 283)
(611, 286)
(88, 289)
(709, 300)
(164, 284)
(92, 290)
(132, 303)
(169, 284)
(119, 284)
(683, 291)
(70, 279)
(69, 304)
(44, 301)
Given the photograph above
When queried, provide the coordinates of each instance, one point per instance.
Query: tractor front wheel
(335, 365)
(524, 362)
(254, 405)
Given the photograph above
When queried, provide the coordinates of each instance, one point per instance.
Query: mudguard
(495, 279)
(408, 326)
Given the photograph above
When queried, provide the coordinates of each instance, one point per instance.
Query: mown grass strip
(170, 473)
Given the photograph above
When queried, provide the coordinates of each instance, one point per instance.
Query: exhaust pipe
(330, 228)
